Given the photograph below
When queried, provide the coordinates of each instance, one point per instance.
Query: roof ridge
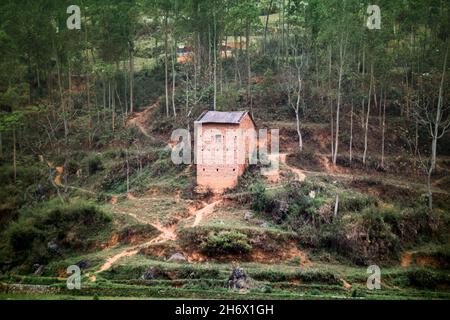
(215, 116)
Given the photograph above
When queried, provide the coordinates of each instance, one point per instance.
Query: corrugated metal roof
(231, 117)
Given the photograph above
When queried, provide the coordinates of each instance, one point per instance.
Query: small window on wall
(234, 169)
(218, 138)
(204, 169)
(217, 170)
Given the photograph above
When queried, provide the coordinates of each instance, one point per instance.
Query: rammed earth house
(224, 142)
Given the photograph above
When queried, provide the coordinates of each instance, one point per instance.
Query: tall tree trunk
(430, 191)
(88, 87)
(174, 78)
(249, 71)
(237, 75)
(416, 138)
(215, 62)
(266, 25)
(366, 126)
(1, 146)
(69, 100)
(330, 98)
(128, 172)
(186, 91)
(166, 67)
(362, 85)
(125, 87)
(297, 110)
(435, 135)
(299, 133)
(109, 97)
(438, 119)
(383, 130)
(283, 43)
(338, 105)
(197, 69)
(14, 155)
(336, 206)
(113, 108)
(351, 135)
(209, 55)
(104, 92)
(131, 79)
(61, 96)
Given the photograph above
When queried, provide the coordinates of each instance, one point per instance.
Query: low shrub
(442, 256)
(261, 201)
(292, 205)
(423, 278)
(356, 202)
(363, 239)
(309, 276)
(250, 180)
(226, 242)
(94, 164)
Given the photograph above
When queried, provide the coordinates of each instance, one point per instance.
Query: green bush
(307, 276)
(261, 200)
(94, 164)
(226, 242)
(415, 224)
(442, 255)
(291, 205)
(423, 278)
(355, 202)
(248, 181)
(366, 238)
(308, 235)
(162, 167)
(26, 176)
(69, 226)
(361, 238)
(9, 204)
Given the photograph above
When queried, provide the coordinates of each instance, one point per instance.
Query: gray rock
(280, 211)
(83, 264)
(53, 247)
(264, 225)
(151, 273)
(177, 257)
(248, 215)
(38, 269)
(239, 280)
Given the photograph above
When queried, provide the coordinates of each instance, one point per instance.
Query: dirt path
(300, 174)
(202, 213)
(329, 171)
(139, 119)
(125, 253)
(167, 233)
